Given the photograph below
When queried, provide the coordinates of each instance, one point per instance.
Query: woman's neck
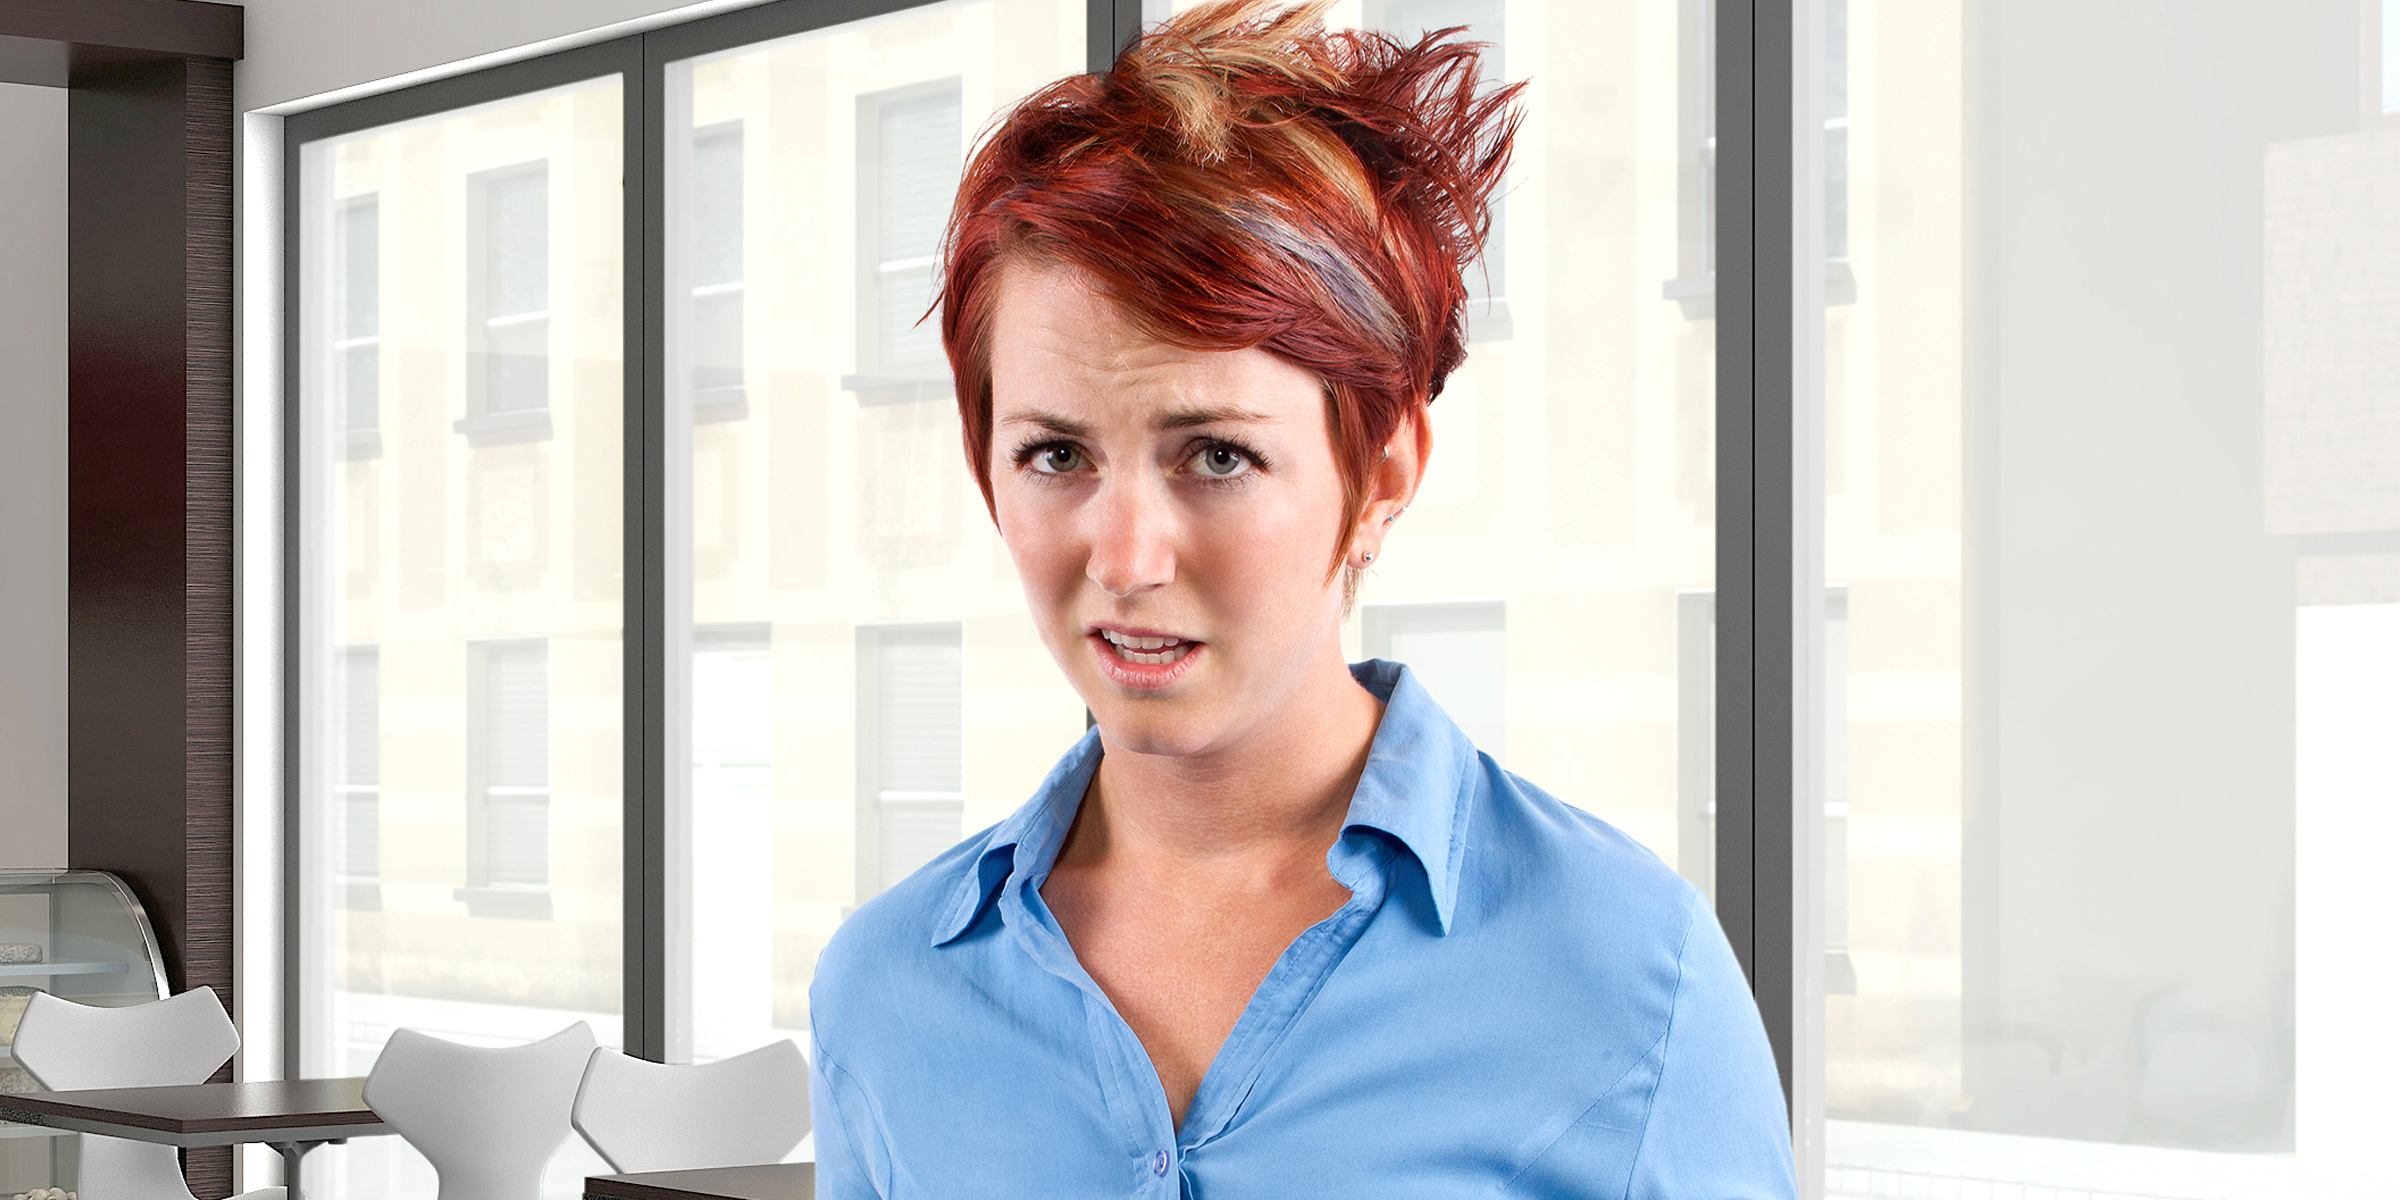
(1273, 801)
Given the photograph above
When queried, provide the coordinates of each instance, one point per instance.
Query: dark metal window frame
(1755, 544)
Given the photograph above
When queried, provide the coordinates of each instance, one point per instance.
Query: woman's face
(1172, 513)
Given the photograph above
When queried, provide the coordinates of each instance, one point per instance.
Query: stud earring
(1370, 556)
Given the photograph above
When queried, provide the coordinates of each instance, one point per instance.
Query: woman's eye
(1057, 460)
(1222, 462)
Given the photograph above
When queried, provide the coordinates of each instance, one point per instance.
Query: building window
(508, 253)
(357, 324)
(1695, 284)
(715, 228)
(1485, 21)
(909, 146)
(911, 788)
(1458, 651)
(508, 769)
(357, 773)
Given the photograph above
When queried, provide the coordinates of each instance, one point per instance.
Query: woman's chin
(1161, 727)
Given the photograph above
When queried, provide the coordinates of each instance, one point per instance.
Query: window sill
(1841, 977)
(892, 389)
(500, 429)
(509, 903)
(710, 405)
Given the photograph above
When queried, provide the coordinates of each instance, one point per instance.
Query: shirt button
(1158, 1163)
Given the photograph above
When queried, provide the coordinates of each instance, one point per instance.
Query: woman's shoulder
(875, 944)
(1547, 851)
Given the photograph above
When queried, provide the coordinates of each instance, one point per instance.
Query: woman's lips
(1141, 659)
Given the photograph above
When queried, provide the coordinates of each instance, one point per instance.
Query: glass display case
(81, 936)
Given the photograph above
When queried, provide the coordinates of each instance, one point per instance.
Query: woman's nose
(1132, 539)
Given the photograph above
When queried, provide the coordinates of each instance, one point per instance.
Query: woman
(1274, 926)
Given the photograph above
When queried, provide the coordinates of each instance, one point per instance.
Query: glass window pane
(860, 686)
(461, 593)
(1544, 584)
(1559, 560)
(2110, 602)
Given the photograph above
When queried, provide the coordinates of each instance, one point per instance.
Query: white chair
(73, 1047)
(488, 1119)
(645, 1116)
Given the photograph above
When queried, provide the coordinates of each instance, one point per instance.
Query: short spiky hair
(1242, 177)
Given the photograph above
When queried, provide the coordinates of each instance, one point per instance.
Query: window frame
(1752, 295)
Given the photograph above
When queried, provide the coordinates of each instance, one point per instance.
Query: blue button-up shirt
(1517, 999)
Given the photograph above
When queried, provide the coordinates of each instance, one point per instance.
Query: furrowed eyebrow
(1062, 426)
(1188, 418)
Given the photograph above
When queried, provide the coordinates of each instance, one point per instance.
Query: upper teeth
(1139, 643)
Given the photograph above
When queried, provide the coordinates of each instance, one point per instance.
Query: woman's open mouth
(1143, 659)
(1156, 650)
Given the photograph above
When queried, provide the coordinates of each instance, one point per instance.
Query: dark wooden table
(775, 1181)
(294, 1116)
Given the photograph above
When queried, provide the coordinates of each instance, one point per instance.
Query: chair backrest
(488, 1119)
(646, 1116)
(72, 1047)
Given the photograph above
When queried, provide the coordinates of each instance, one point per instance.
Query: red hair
(1241, 177)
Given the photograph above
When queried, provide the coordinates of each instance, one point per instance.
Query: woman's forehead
(1061, 349)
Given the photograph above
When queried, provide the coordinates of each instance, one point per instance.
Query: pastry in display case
(81, 936)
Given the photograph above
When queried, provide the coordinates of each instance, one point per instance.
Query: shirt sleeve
(1716, 1129)
(851, 1164)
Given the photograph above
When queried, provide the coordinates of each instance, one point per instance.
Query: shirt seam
(1649, 1101)
(883, 1149)
(1674, 1007)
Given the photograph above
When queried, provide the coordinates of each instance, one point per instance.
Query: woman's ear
(1391, 486)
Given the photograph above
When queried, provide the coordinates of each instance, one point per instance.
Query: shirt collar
(1420, 781)
(1039, 826)
(1418, 789)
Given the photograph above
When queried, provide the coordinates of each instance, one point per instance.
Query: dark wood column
(150, 495)
(150, 459)
(150, 507)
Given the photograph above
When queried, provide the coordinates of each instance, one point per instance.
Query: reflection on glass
(860, 686)
(1539, 585)
(895, 697)
(462, 575)
(2107, 505)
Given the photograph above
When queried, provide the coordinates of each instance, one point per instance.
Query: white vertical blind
(358, 765)
(357, 289)
(920, 780)
(516, 288)
(917, 153)
(516, 763)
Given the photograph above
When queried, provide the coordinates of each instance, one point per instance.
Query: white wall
(297, 49)
(33, 476)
